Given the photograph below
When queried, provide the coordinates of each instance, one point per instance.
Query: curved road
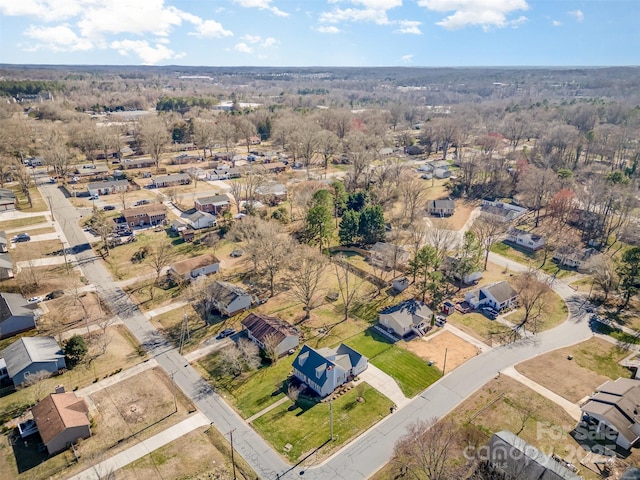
(366, 454)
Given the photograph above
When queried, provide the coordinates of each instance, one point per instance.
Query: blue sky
(321, 32)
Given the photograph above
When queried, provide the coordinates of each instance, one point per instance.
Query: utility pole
(233, 463)
(185, 331)
(444, 365)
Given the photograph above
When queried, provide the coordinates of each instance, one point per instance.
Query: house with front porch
(406, 318)
(497, 295)
(106, 188)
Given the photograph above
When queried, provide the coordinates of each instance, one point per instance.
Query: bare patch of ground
(433, 349)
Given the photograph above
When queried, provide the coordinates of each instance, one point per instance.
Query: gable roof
(409, 312)
(57, 412)
(112, 183)
(501, 291)
(198, 215)
(261, 326)
(13, 304)
(5, 261)
(170, 177)
(271, 189)
(225, 292)
(150, 210)
(185, 266)
(518, 232)
(3, 238)
(445, 204)
(28, 350)
(342, 355)
(216, 200)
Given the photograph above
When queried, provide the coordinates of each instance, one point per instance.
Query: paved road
(369, 452)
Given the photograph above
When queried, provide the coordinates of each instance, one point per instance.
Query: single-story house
(441, 172)
(274, 167)
(145, 215)
(427, 167)
(4, 242)
(572, 258)
(264, 330)
(524, 239)
(7, 200)
(106, 188)
(216, 204)
(400, 284)
(506, 212)
(441, 208)
(228, 298)
(388, 255)
(198, 220)
(16, 315)
(439, 164)
(612, 410)
(92, 169)
(30, 355)
(196, 172)
(326, 369)
(405, 318)
(178, 225)
(188, 234)
(448, 267)
(190, 268)
(170, 180)
(511, 457)
(128, 163)
(498, 295)
(62, 419)
(272, 193)
(6, 266)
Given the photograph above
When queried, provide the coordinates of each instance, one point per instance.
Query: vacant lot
(22, 222)
(594, 362)
(433, 349)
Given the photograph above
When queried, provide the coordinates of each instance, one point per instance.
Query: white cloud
(407, 58)
(577, 14)
(340, 15)
(330, 29)
(243, 48)
(484, 13)
(150, 55)
(59, 39)
(43, 10)
(379, 4)
(410, 27)
(252, 38)
(262, 5)
(556, 23)
(210, 29)
(269, 42)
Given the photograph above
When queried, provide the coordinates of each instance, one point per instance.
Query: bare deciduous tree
(488, 230)
(160, 256)
(533, 298)
(271, 342)
(306, 271)
(349, 284)
(154, 136)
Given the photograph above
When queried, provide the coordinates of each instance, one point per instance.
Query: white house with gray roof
(106, 188)
(16, 315)
(326, 369)
(405, 318)
(228, 298)
(29, 355)
(497, 295)
(198, 220)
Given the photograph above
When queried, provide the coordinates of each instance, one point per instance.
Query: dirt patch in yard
(459, 218)
(433, 349)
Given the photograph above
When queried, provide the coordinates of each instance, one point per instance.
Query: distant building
(524, 239)
(170, 180)
(441, 208)
(215, 204)
(504, 212)
(106, 188)
(191, 268)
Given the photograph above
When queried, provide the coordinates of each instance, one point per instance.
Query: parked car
(490, 312)
(94, 197)
(34, 300)
(21, 237)
(142, 202)
(440, 320)
(108, 207)
(238, 252)
(227, 332)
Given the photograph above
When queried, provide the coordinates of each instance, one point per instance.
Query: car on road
(94, 197)
(34, 300)
(227, 332)
(108, 207)
(21, 237)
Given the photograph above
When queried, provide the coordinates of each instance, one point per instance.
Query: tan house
(170, 180)
(264, 330)
(62, 419)
(191, 268)
(145, 215)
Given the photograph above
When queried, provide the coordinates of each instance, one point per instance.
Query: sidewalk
(204, 351)
(118, 377)
(107, 467)
(483, 347)
(571, 408)
(167, 308)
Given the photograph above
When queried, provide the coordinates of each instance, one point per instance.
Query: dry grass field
(433, 349)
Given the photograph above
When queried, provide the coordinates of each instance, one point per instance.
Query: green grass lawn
(369, 343)
(307, 427)
(479, 326)
(603, 362)
(556, 313)
(534, 259)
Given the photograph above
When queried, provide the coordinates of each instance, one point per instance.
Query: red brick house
(145, 215)
(215, 204)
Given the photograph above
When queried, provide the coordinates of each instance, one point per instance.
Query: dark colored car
(226, 333)
(108, 207)
(142, 202)
(21, 237)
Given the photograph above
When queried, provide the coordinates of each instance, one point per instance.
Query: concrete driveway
(384, 384)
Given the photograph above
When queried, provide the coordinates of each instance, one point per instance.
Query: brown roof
(261, 326)
(185, 266)
(150, 210)
(59, 411)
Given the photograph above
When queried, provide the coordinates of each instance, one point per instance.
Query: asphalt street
(370, 451)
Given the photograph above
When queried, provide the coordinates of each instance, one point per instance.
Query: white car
(34, 300)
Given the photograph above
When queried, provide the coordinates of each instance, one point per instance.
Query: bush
(75, 350)
(140, 255)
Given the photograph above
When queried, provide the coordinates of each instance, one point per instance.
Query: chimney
(59, 389)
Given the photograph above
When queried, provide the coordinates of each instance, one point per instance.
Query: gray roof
(197, 215)
(501, 291)
(5, 261)
(13, 304)
(177, 177)
(216, 200)
(409, 312)
(22, 353)
(531, 464)
(112, 183)
(3, 238)
(272, 189)
(225, 292)
(444, 204)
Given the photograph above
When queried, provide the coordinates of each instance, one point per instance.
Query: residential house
(441, 173)
(524, 239)
(170, 180)
(4, 242)
(388, 256)
(400, 284)
(191, 268)
(188, 235)
(613, 411)
(497, 295)
(326, 369)
(505, 212)
(198, 220)
(274, 167)
(196, 172)
(29, 355)
(569, 257)
(511, 457)
(129, 163)
(7, 200)
(145, 215)
(92, 169)
(271, 193)
(62, 419)
(6, 266)
(16, 315)
(106, 188)
(178, 225)
(406, 318)
(228, 298)
(448, 267)
(216, 204)
(271, 332)
(441, 208)
(443, 164)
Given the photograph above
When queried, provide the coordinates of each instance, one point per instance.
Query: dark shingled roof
(261, 326)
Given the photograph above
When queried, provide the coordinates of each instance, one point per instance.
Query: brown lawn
(459, 218)
(433, 349)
